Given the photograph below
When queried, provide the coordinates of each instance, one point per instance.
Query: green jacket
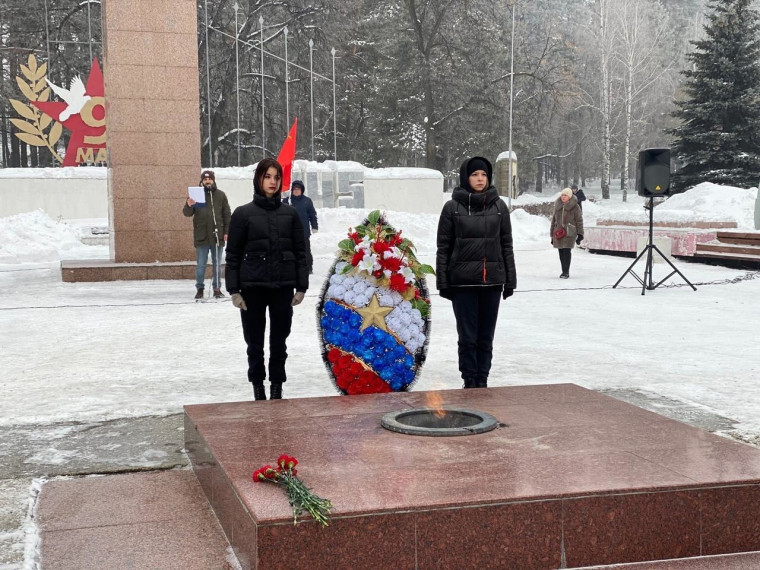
(208, 219)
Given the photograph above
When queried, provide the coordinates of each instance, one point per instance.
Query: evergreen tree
(719, 136)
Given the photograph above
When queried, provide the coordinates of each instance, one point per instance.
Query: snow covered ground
(96, 351)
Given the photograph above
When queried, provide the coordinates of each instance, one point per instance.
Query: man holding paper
(210, 210)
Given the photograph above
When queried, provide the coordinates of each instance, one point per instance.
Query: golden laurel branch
(33, 123)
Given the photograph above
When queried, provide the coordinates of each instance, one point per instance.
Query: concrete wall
(418, 191)
(75, 193)
(72, 197)
(84, 196)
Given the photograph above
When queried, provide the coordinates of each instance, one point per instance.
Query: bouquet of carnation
(375, 249)
(299, 495)
(374, 314)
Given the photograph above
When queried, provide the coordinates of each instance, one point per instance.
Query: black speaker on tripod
(652, 180)
(653, 173)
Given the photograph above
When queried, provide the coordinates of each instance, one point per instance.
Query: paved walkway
(158, 520)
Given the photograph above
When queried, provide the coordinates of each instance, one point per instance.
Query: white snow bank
(710, 201)
(404, 173)
(33, 237)
(96, 172)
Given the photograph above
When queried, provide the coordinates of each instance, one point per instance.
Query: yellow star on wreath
(374, 314)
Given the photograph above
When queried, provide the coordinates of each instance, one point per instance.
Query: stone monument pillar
(152, 111)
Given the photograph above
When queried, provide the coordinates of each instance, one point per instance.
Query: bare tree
(640, 35)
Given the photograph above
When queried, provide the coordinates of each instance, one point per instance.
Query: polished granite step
(571, 478)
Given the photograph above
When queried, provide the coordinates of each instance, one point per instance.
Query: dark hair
(262, 168)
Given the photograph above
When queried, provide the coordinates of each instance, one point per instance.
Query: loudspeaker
(653, 173)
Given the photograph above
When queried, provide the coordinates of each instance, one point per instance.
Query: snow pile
(710, 201)
(527, 228)
(706, 202)
(525, 199)
(404, 173)
(246, 172)
(33, 237)
(92, 172)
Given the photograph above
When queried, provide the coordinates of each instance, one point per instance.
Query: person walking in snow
(307, 214)
(566, 228)
(266, 269)
(211, 224)
(475, 265)
(579, 195)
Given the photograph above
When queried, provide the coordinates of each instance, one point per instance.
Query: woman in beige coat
(566, 228)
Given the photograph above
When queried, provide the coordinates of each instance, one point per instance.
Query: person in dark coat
(475, 265)
(266, 269)
(211, 224)
(568, 216)
(306, 212)
(579, 195)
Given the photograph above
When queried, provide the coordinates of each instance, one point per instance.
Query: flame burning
(434, 400)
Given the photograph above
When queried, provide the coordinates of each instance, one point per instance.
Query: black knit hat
(299, 184)
(471, 165)
(209, 174)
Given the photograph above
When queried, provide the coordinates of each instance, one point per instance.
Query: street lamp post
(511, 102)
(208, 92)
(311, 79)
(335, 119)
(287, 101)
(263, 128)
(237, 77)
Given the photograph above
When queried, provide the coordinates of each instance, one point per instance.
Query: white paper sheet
(197, 193)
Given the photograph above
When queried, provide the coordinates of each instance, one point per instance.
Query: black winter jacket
(266, 246)
(475, 241)
(306, 212)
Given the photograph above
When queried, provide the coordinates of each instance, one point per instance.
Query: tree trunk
(539, 177)
(628, 127)
(605, 106)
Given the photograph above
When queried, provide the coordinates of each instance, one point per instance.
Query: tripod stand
(647, 282)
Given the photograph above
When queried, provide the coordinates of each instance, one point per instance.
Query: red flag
(287, 156)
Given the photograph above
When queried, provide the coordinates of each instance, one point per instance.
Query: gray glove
(297, 298)
(239, 302)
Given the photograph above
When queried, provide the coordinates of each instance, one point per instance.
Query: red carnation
(358, 256)
(381, 246)
(354, 237)
(286, 461)
(378, 273)
(391, 263)
(269, 472)
(398, 283)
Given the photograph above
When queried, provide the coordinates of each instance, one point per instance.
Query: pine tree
(719, 136)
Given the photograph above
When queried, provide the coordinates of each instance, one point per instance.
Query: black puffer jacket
(266, 246)
(475, 240)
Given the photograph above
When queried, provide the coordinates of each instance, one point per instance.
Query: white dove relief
(74, 96)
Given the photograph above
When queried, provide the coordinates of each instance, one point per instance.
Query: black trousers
(565, 255)
(309, 256)
(258, 300)
(476, 310)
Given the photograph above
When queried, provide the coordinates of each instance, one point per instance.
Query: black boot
(481, 382)
(258, 392)
(275, 391)
(469, 382)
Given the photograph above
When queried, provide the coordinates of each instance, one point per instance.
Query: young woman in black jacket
(475, 265)
(266, 269)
